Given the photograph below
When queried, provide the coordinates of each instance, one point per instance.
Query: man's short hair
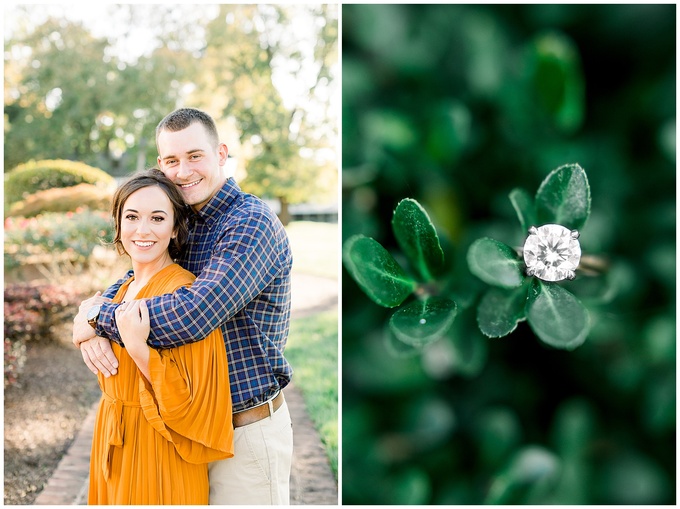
(183, 117)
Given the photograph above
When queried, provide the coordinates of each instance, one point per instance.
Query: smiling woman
(150, 218)
(137, 195)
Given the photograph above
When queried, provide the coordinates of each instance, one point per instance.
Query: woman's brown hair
(153, 177)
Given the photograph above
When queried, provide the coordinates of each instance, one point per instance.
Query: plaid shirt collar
(216, 206)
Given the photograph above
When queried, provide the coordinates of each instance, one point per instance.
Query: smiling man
(240, 253)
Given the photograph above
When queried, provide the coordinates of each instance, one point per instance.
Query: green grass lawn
(315, 248)
(313, 352)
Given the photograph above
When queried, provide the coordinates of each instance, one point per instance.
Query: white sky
(139, 39)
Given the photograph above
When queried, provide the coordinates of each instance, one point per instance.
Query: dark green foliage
(376, 271)
(555, 315)
(495, 263)
(500, 311)
(459, 107)
(418, 239)
(380, 276)
(423, 321)
(564, 198)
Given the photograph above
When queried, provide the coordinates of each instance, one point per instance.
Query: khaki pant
(259, 472)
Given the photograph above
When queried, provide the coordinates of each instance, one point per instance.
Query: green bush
(63, 199)
(70, 236)
(34, 176)
(456, 107)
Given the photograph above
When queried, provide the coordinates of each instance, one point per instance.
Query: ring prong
(530, 271)
(571, 274)
(575, 234)
(533, 230)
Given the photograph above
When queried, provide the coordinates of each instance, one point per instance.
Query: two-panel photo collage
(335, 254)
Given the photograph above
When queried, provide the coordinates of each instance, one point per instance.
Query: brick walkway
(312, 481)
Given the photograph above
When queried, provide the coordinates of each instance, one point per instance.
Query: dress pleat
(153, 440)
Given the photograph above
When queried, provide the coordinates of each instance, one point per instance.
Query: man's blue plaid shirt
(240, 253)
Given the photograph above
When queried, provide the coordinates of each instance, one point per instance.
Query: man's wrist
(93, 315)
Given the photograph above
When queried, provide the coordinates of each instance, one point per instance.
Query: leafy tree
(72, 95)
(59, 99)
(246, 47)
(69, 96)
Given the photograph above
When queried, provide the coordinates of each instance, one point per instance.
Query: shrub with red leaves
(31, 313)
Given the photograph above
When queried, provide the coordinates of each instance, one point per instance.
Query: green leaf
(557, 83)
(396, 347)
(417, 238)
(376, 271)
(500, 311)
(495, 263)
(556, 316)
(564, 197)
(422, 322)
(469, 348)
(523, 204)
(410, 487)
(532, 472)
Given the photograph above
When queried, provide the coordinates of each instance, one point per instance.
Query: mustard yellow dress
(153, 441)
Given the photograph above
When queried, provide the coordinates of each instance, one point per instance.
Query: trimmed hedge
(35, 176)
(63, 199)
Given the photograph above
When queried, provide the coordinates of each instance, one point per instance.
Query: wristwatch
(93, 315)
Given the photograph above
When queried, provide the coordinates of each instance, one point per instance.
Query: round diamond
(552, 252)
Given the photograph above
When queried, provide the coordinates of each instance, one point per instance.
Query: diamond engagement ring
(552, 252)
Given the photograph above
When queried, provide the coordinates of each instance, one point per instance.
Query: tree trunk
(140, 165)
(284, 213)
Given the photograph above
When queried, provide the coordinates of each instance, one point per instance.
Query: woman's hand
(134, 326)
(132, 319)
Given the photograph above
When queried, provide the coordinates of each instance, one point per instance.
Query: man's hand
(98, 355)
(82, 331)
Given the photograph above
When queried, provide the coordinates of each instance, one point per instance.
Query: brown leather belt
(256, 414)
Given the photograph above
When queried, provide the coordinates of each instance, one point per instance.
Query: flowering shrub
(31, 314)
(51, 236)
(15, 358)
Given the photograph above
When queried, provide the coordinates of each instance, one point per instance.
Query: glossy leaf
(500, 311)
(556, 316)
(523, 204)
(495, 263)
(376, 271)
(422, 322)
(418, 238)
(564, 197)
